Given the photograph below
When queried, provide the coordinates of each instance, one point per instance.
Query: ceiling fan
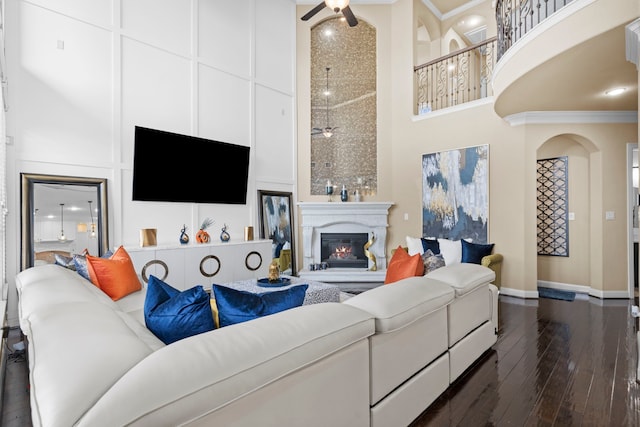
(328, 130)
(336, 6)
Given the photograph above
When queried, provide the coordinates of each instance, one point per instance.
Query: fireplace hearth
(344, 250)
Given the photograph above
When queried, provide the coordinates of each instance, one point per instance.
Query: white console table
(184, 266)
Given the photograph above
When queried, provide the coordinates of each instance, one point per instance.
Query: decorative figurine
(224, 236)
(368, 254)
(274, 272)
(202, 236)
(184, 237)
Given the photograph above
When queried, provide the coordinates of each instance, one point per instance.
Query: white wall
(83, 74)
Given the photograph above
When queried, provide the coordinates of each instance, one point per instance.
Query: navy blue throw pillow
(430, 245)
(236, 306)
(474, 252)
(173, 315)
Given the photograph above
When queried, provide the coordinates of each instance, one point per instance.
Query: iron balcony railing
(465, 75)
(459, 77)
(514, 18)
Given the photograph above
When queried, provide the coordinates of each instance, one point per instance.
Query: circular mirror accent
(149, 264)
(246, 261)
(204, 273)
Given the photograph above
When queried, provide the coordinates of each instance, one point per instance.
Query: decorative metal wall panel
(553, 207)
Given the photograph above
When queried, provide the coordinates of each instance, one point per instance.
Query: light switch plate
(572, 216)
(610, 215)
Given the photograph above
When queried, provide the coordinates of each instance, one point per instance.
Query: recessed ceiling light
(616, 91)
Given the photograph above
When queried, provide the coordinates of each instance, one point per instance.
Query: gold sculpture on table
(368, 254)
(274, 272)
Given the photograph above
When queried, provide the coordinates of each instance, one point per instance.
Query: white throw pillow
(451, 250)
(414, 246)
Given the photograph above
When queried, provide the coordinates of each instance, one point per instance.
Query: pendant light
(62, 237)
(92, 224)
(328, 130)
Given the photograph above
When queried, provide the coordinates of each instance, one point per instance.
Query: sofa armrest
(494, 262)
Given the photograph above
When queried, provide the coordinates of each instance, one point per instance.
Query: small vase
(184, 237)
(202, 236)
(344, 195)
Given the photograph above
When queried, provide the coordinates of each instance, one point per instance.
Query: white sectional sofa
(378, 359)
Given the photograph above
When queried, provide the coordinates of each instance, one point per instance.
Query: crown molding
(582, 117)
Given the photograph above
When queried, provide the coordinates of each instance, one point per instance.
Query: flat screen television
(170, 167)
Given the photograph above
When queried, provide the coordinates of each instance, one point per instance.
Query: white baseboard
(584, 291)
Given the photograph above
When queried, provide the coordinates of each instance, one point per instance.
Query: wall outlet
(610, 215)
(572, 216)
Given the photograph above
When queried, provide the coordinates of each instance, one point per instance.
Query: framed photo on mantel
(276, 224)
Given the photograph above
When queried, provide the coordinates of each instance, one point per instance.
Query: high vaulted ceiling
(572, 81)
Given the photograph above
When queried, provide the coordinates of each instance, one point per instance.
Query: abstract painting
(455, 194)
(276, 223)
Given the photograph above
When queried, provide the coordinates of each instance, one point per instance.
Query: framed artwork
(276, 224)
(552, 206)
(455, 194)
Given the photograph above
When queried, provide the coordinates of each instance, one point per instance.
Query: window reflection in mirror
(62, 216)
(349, 156)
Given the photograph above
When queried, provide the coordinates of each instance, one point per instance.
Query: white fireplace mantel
(344, 217)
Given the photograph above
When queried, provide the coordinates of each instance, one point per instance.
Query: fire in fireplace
(344, 250)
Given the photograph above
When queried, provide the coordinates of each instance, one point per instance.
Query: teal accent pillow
(173, 315)
(236, 306)
(474, 252)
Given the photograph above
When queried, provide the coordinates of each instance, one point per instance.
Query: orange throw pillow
(115, 276)
(403, 265)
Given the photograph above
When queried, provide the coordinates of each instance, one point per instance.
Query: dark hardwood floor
(556, 363)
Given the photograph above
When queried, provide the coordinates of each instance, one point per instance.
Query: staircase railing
(461, 76)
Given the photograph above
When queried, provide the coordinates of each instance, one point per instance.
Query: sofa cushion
(463, 277)
(403, 265)
(236, 306)
(80, 263)
(115, 276)
(474, 252)
(172, 314)
(407, 300)
(419, 245)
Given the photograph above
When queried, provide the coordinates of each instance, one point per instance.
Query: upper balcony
(549, 55)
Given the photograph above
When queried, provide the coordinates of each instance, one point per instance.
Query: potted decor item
(202, 236)
(224, 236)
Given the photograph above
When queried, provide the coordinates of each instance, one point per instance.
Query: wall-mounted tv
(170, 167)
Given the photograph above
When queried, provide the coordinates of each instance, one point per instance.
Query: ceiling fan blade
(349, 16)
(316, 131)
(313, 11)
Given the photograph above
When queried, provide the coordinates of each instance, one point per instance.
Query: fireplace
(367, 220)
(344, 250)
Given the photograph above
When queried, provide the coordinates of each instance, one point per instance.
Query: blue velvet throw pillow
(430, 245)
(474, 252)
(236, 306)
(173, 315)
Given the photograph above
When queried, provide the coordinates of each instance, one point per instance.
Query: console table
(184, 266)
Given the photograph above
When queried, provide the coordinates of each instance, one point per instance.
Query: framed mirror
(62, 215)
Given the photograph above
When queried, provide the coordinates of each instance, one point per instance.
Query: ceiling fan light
(327, 133)
(337, 5)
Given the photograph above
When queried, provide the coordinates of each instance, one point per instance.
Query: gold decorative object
(274, 272)
(148, 237)
(368, 254)
(248, 233)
